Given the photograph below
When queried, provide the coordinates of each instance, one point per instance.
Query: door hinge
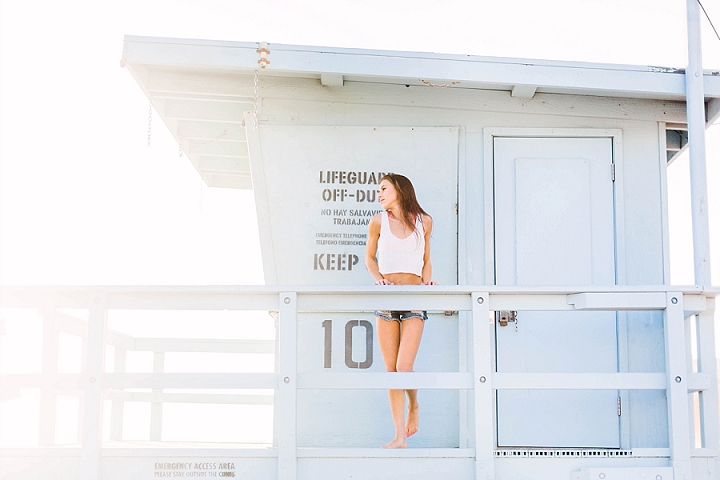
(456, 209)
(619, 406)
(613, 172)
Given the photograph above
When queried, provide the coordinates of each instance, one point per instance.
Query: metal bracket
(505, 316)
(264, 52)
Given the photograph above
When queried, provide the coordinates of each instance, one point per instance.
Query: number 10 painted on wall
(349, 362)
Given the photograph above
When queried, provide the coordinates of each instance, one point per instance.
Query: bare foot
(397, 443)
(413, 420)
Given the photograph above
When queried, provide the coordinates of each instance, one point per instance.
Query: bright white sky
(83, 200)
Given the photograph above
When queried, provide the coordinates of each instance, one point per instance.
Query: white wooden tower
(568, 353)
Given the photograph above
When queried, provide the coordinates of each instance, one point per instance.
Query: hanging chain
(149, 121)
(255, 101)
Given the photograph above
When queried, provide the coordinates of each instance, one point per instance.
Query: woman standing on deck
(398, 253)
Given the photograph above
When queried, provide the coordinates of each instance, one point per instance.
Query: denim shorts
(400, 315)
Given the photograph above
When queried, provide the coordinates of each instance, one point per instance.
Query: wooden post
(92, 380)
(48, 395)
(118, 406)
(463, 362)
(81, 399)
(677, 386)
(157, 407)
(482, 381)
(287, 389)
(695, 98)
(709, 409)
(688, 324)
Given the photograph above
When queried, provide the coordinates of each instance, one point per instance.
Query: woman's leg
(389, 340)
(410, 337)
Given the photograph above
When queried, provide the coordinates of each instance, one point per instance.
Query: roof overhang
(411, 68)
(193, 87)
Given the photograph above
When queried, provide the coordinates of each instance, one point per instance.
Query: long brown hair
(406, 198)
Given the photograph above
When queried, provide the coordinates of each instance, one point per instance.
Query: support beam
(713, 111)
(695, 97)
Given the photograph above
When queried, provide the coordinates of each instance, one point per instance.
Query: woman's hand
(431, 282)
(383, 281)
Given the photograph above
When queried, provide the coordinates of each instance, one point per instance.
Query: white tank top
(401, 255)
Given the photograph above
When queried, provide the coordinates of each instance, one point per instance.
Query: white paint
(523, 91)
(695, 99)
(677, 394)
(286, 405)
(484, 432)
(427, 460)
(477, 72)
(295, 163)
(92, 383)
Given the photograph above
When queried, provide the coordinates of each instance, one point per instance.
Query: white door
(554, 226)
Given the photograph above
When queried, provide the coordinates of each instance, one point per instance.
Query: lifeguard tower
(556, 347)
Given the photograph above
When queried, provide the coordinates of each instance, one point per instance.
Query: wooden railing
(680, 306)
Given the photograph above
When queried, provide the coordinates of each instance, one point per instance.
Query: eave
(200, 87)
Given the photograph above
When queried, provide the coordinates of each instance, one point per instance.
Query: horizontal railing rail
(353, 298)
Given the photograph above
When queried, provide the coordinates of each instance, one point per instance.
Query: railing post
(463, 361)
(677, 386)
(118, 406)
(709, 410)
(687, 324)
(156, 407)
(81, 398)
(287, 389)
(48, 395)
(92, 380)
(482, 379)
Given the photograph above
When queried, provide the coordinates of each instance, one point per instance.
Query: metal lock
(505, 316)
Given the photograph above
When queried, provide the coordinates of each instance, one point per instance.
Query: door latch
(505, 316)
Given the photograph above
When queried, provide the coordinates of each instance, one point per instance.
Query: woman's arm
(427, 265)
(371, 251)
